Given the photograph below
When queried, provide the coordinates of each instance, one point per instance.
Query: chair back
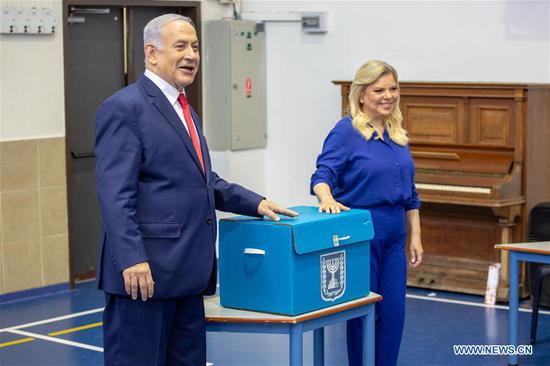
(539, 230)
(539, 223)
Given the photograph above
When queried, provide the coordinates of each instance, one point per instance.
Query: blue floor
(433, 325)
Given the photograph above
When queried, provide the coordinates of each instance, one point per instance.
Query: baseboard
(33, 292)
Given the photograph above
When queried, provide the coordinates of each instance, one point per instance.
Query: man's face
(178, 61)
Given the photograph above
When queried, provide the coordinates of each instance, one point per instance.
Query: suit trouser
(155, 332)
(388, 277)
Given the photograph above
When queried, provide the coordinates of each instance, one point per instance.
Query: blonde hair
(367, 74)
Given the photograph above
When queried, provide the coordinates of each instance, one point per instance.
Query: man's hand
(271, 209)
(139, 275)
(330, 205)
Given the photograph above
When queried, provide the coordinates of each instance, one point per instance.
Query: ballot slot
(317, 231)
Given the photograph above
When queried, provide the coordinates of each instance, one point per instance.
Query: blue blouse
(365, 173)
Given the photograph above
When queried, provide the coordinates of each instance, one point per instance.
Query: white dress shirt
(170, 92)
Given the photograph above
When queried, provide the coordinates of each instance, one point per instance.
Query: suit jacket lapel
(163, 106)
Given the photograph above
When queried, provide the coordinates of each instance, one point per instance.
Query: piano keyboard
(451, 188)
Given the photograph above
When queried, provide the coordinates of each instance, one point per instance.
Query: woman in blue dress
(366, 163)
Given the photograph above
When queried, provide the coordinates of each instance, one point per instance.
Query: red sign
(248, 87)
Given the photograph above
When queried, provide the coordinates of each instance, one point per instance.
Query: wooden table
(528, 252)
(221, 319)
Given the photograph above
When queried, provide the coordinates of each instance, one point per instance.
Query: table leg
(296, 351)
(514, 302)
(319, 346)
(368, 336)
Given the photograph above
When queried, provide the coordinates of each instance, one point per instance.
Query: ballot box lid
(313, 231)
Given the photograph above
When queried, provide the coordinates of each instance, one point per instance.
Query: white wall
(490, 41)
(32, 101)
(496, 41)
(213, 9)
(31, 76)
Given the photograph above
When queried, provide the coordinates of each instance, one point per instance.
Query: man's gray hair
(151, 32)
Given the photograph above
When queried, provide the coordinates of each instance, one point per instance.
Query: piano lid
(466, 160)
(467, 175)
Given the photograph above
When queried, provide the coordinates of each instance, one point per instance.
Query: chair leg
(535, 298)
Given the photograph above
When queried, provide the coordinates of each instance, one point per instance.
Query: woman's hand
(330, 205)
(416, 251)
(327, 203)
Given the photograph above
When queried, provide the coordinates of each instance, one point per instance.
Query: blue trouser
(156, 332)
(388, 277)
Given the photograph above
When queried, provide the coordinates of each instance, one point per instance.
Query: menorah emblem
(333, 275)
(332, 266)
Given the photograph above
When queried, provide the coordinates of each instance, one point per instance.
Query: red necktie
(191, 127)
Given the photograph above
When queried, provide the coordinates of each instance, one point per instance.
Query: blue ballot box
(295, 265)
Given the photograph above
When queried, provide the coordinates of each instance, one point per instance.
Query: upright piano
(482, 158)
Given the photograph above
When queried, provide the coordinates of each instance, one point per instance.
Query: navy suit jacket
(156, 202)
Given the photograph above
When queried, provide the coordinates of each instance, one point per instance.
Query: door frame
(194, 8)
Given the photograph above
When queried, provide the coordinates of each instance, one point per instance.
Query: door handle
(76, 10)
(72, 19)
(254, 251)
(82, 155)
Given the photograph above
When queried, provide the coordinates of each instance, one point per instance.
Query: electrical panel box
(314, 22)
(24, 19)
(235, 87)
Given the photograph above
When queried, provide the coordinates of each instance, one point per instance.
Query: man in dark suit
(158, 197)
